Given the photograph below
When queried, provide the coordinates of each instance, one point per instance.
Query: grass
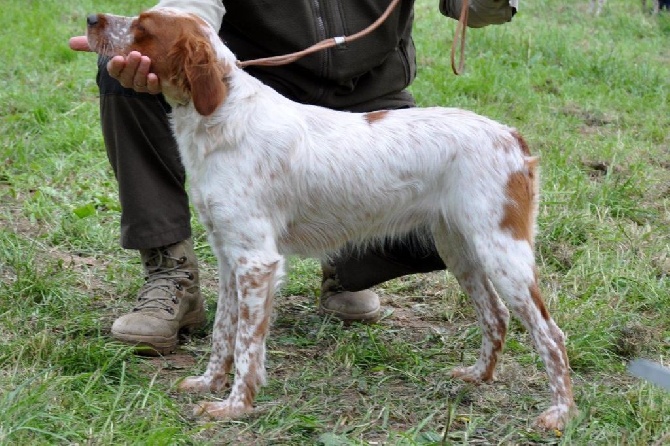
(591, 95)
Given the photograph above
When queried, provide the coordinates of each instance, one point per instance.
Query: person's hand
(131, 71)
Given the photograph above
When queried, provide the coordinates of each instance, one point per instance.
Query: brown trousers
(154, 203)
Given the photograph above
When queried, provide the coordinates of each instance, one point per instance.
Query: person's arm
(211, 11)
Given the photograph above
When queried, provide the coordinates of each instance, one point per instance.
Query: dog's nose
(92, 19)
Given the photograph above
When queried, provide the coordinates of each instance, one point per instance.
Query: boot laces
(330, 282)
(163, 280)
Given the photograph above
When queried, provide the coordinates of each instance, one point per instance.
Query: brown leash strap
(324, 44)
(274, 61)
(460, 28)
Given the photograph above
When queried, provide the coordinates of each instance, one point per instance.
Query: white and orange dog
(270, 177)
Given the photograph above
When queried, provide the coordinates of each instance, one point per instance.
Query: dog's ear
(197, 71)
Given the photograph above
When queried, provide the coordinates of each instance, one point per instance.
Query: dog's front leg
(220, 364)
(255, 281)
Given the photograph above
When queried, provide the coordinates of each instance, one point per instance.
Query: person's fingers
(123, 68)
(153, 84)
(140, 77)
(115, 66)
(133, 72)
(127, 74)
(79, 43)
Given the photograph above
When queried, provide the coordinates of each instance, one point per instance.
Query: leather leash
(462, 27)
(343, 40)
(324, 44)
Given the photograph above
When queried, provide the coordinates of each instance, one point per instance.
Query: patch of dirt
(631, 339)
(174, 366)
(592, 120)
(598, 169)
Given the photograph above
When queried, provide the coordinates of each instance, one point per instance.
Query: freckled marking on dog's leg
(537, 300)
(255, 292)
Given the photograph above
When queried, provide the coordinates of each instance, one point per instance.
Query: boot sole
(367, 318)
(159, 345)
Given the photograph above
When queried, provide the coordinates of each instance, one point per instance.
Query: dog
(270, 177)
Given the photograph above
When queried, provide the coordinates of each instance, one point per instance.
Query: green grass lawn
(591, 96)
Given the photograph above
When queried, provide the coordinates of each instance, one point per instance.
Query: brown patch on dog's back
(375, 116)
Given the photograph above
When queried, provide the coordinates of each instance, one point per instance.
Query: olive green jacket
(380, 65)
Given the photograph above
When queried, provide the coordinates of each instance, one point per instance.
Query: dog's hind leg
(495, 255)
(513, 274)
(492, 314)
(486, 268)
(507, 265)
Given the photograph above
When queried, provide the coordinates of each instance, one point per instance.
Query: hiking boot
(348, 306)
(168, 302)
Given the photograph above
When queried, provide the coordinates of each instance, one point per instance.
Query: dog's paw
(472, 374)
(555, 417)
(198, 384)
(223, 409)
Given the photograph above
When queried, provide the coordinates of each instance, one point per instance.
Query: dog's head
(181, 49)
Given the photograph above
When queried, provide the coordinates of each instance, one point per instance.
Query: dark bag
(481, 12)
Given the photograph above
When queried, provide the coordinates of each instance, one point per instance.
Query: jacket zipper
(404, 57)
(321, 34)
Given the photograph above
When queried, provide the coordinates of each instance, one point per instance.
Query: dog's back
(369, 176)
